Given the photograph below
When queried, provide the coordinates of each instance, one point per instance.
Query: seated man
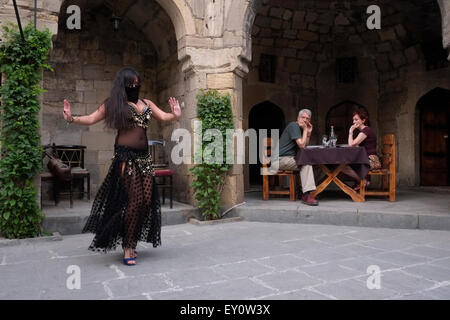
(296, 135)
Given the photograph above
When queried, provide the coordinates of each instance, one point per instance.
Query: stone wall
(307, 37)
(218, 44)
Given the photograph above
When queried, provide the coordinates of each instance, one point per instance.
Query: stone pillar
(231, 82)
(445, 13)
(47, 15)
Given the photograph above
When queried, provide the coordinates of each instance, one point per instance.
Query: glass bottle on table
(333, 138)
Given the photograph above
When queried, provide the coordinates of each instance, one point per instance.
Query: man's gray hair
(307, 111)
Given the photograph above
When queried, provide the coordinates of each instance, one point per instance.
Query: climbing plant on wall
(21, 63)
(214, 111)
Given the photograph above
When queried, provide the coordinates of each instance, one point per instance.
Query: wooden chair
(293, 175)
(73, 156)
(163, 175)
(387, 171)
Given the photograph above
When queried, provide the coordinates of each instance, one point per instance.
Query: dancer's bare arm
(88, 120)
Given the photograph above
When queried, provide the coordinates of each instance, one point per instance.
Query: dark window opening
(346, 69)
(267, 68)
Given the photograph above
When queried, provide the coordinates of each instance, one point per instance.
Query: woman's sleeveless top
(141, 119)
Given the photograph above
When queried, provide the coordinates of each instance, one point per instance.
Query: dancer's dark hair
(118, 113)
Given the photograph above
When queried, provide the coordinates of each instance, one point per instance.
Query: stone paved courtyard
(239, 260)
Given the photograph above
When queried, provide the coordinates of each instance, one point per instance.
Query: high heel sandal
(128, 260)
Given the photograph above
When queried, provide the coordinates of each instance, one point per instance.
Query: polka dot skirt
(126, 208)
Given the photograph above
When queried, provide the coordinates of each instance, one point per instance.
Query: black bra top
(141, 119)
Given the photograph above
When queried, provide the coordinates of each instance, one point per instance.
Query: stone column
(227, 82)
(231, 82)
(445, 13)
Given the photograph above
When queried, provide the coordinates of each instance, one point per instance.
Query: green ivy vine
(214, 111)
(21, 63)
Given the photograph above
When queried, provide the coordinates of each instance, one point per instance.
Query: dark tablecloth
(356, 157)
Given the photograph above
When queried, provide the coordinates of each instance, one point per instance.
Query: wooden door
(434, 146)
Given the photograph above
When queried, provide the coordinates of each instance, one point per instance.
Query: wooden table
(337, 158)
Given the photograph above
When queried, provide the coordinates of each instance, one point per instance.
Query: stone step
(69, 221)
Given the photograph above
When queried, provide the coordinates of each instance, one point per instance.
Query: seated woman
(367, 139)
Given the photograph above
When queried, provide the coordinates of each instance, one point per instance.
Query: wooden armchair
(387, 171)
(293, 176)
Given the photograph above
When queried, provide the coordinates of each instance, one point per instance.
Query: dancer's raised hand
(67, 114)
(175, 107)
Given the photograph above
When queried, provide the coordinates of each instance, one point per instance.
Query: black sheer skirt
(126, 208)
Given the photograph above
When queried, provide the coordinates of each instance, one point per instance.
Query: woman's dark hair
(363, 115)
(118, 115)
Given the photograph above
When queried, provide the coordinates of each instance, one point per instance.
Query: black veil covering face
(133, 92)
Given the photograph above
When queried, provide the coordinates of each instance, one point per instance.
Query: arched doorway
(434, 119)
(341, 117)
(86, 61)
(265, 115)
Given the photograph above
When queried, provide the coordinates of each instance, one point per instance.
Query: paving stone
(237, 289)
(336, 240)
(242, 269)
(429, 272)
(354, 290)
(358, 250)
(138, 297)
(192, 277)
(324, 255)
(330, 272)
(428, 252)
(401, 259)
(445, 263)
(403, 283)
(289, 280)
(194, 293)
(302, 294)
(366, 234)
(265, 258)
(361, 264)
(90, 291)
(388, 244)
(131, 286)
(414, 296)
(440, 244)
(283, 262)
(304, 244)
(439, 293)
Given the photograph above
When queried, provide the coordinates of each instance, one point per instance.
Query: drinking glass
(325, 141)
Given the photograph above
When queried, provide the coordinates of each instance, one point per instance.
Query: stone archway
(86, 61)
